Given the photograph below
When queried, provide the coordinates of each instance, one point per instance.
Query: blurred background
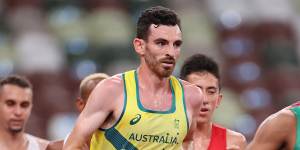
(55, 43)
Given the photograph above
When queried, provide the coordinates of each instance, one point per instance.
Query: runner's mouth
(204, 109)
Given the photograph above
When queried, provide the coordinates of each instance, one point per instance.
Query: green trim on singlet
(124, 107)
(296, 111)
(118, 141)
(142, 108)
(184, 105)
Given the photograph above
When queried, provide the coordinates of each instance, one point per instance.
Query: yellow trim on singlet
(139, 128)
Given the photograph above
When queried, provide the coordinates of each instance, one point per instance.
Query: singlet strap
(32, 143)
(296, 111)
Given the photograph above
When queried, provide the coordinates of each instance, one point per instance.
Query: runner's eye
(10, 103)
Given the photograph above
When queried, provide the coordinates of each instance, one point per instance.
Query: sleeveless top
(295, 108)
(141, 128)
(218, 138)
(32, 143)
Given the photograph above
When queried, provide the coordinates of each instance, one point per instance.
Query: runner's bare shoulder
(282, 118)
(111, 87)
(274, 130)
(192, 92)
(235, 140)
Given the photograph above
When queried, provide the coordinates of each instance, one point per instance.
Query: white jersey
(32, 143)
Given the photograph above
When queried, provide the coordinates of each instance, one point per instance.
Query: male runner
(86, 87)
(279, 131)
(15, 109)
(204, 72)
(145, 108)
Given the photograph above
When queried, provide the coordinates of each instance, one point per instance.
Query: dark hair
(199, 63)
(16, 80)
(157, 15)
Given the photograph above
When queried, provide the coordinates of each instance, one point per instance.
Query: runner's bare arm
(273, 132)
(194, 98)
(101, 103)
(55, 145)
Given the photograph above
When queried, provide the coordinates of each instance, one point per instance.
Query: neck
(204, 129)
(202, 135)
(10, 140)
(147, 78)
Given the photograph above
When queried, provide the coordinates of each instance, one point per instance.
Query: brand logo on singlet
(135, 120)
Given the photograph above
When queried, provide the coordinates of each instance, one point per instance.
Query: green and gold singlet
(140, 128)
(295, 108)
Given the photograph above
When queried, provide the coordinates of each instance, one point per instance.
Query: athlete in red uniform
(218, 138)
(204, 73)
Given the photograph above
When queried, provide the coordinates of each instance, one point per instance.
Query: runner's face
(210, 87)
(15, 107)
(162, 49)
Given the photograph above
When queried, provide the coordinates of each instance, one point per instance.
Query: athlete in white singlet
(15, 109)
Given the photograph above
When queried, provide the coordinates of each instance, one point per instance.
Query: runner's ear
(139, 46)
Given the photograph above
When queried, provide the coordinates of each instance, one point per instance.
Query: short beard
(15, 131)
(154, 66)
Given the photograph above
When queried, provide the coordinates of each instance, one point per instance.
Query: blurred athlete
(86, 87)
(15, 108)
(204, 72)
